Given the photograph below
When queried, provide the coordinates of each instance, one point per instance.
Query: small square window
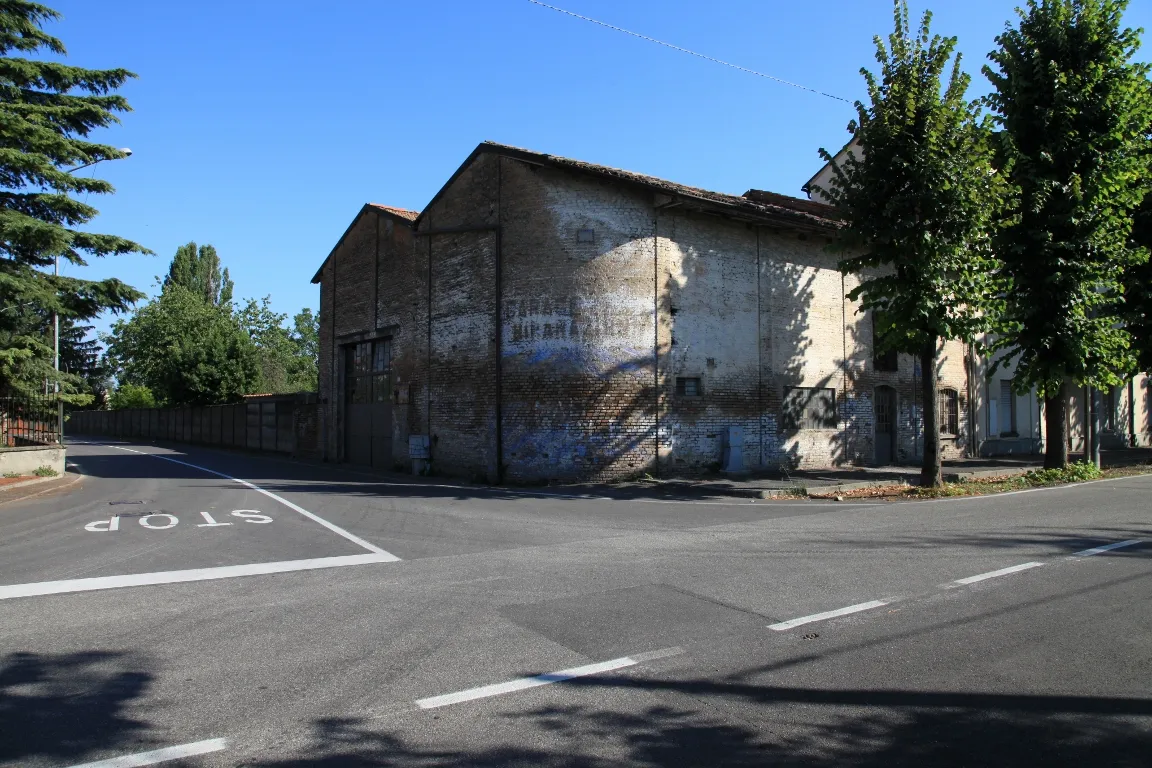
(688, 387)
(585, 235)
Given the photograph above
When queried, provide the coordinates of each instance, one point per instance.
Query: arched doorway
(884, 419)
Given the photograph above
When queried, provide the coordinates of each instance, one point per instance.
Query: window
(884, 362)
(809, 408)
(367, 371)
(949, 416)
(688, 387)
(1108, 404)
(1007, 412)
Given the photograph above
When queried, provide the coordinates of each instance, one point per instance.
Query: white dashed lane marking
(159, 755)
(995, 574)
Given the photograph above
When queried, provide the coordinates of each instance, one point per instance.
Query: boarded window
(688, 387)
(886, 361)
(809, 408)
(949, 412)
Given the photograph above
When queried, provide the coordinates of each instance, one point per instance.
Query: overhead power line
(690, 53)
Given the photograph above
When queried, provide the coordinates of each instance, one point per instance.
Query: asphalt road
(161, 611)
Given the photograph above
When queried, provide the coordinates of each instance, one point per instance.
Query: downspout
(375, 321)
(1132, 439)
(656, 333)
(844, 345)
(499, 323)
(333, 373)
(973, 438)
(428, 368)
(759, 357)
(376, 279)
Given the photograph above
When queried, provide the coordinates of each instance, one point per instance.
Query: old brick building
(544, 318)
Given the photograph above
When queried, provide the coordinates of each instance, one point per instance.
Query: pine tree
(1074, 108)
(47, 111)
(916, 205)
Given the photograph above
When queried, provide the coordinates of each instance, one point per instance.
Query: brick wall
(604, 299)
(373, 284)
(462, 370)
(578, 326)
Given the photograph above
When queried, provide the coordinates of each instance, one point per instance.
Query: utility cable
(690, 53)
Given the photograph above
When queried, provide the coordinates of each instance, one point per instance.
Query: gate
(368, 403)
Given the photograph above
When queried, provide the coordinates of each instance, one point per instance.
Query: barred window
(809, 408)
(949, 412)
(367, 373)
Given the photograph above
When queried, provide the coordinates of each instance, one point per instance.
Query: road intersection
(192, 607)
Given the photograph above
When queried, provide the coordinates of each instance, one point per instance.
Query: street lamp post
(56, 272)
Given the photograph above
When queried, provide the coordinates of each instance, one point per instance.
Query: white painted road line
(195, 574)
(524, 683)
(159, 755)
(315, 518)
(994, 574)
(791, 623)
(1107, 548)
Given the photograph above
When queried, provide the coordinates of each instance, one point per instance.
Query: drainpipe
(1132, 442)
(1089, 426)
(973, 438)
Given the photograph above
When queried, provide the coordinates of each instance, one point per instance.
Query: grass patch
(1037, 478)
(11, 475)
(45, 471)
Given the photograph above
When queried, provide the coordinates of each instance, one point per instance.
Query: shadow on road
(66, 706)
(800, 727)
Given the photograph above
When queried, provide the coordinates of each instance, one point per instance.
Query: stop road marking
(162, 521)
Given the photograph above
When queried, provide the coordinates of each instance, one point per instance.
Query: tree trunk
(1055, 429)
(930, 475)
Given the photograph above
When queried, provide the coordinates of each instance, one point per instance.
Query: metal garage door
(368, 403)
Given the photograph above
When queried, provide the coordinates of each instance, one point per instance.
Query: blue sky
(261, 127)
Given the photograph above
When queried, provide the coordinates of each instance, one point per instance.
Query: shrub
(45, 472)
(1073, 473)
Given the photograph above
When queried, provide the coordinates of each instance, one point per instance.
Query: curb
(29, 481)
(830, 489)
(71, 477)
(984, 474)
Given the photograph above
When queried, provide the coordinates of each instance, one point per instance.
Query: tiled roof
(770, 208)
(403, 213)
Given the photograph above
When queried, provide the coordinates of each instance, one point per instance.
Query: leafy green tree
(1138, 287)
(187, 351)
(287, 357)
(47, 111)
(198, 270)
(131, 396)
(1073, 106)
(306, 337)
(916, 206)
